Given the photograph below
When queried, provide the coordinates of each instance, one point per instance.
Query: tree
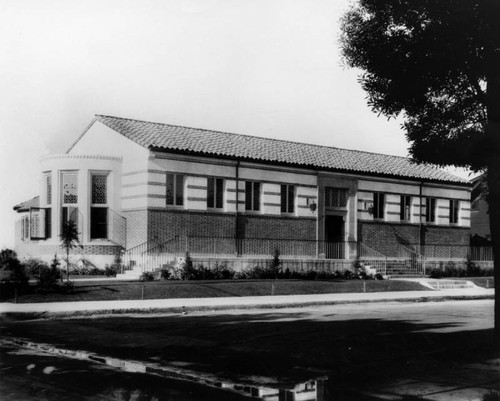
(69, 240)
(436, 63)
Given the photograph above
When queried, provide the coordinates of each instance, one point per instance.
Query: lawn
(120, 290)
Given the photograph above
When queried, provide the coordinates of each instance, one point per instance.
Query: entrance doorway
(334, 237)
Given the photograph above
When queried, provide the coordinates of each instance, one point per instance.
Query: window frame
(334, 196)
(454, 211)
(379, 205)
(177, 196)
(69, 210)
(287, 202)
(48, 187)
(405, 208)
(215, 193)
(430, 209)
(253, 197)
(96, 232)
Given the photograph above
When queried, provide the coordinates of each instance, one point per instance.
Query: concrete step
(448, 284)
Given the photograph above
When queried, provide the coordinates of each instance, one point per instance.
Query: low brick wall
(384, 237)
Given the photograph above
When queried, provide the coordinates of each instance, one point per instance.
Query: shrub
(147, 276)
(348, 275)
(492, 395)
(170, 272)
(112, 271)
(33, 266)
(12, 270)
(49, 276)
(166, 273)
(67, 287)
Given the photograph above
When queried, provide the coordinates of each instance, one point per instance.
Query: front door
(334, 237)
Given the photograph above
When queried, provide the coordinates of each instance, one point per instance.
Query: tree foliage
(69, 240)
(436, 62)
(429, 61)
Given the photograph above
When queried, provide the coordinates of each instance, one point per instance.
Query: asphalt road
(355, 345)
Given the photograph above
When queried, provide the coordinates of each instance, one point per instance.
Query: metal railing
(450, 252)
(403, 258)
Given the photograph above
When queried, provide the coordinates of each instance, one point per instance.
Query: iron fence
(411, 258)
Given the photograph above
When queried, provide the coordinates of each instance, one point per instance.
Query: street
(379, 343)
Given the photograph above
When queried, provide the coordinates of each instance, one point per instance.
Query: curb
(47, 314)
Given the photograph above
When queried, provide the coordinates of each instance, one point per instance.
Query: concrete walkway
(260, 302)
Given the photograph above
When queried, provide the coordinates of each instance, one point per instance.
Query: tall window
(287, 198)
(25, 228)
(215, 193)
(405, 208)
(453, 211)
(69, 196)
(175, 189)
(99, 207)
(378, 205)
(48, 188)
(430, 210)
(335, 197)
(252, 195)
(48, 211)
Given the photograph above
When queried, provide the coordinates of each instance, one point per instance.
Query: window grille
(70, 188)
(48, 184)
(335, 197)
(99, 189)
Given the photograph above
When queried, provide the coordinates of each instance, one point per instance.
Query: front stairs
(448, 284)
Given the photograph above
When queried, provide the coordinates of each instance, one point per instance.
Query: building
(150, 188)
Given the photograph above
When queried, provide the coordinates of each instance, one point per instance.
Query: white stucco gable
(98, 139)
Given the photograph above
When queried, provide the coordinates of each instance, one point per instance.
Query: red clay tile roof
(25, 206)
(214, 143)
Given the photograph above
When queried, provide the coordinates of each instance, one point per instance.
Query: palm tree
(69, 240)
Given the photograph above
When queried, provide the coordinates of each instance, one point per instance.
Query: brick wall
(137, 222)
(166, 224)
(250, 226)
(383, 237)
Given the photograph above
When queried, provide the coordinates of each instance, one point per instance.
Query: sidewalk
(179, 305)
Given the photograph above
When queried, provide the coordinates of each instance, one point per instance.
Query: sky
(269, 68)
